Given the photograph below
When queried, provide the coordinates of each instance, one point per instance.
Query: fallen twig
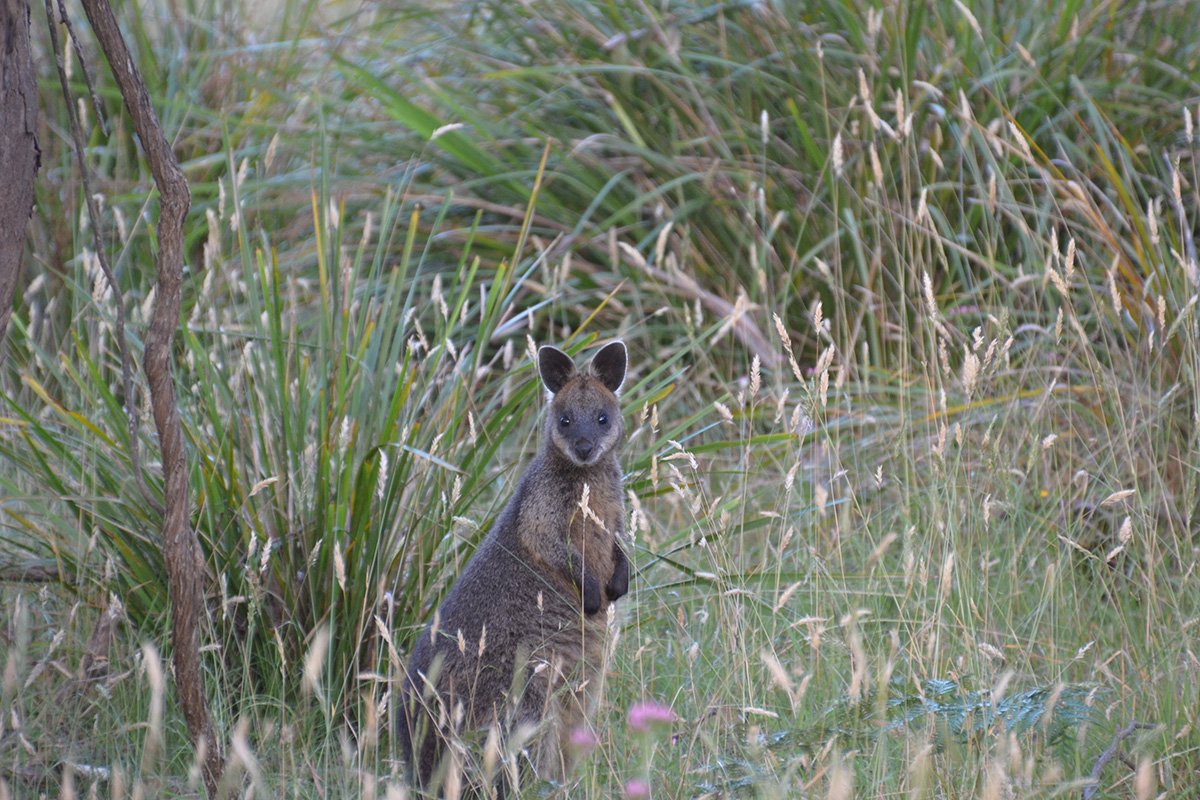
(43, 571)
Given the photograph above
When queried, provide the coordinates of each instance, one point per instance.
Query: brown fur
(535, 592)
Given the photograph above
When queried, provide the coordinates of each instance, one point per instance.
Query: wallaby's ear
(555, 367)
(609, 365)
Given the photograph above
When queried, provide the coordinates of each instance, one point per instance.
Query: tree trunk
(19, 153)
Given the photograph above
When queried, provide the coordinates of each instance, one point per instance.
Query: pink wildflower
(644, 715)
(583, 739)
(637, 788)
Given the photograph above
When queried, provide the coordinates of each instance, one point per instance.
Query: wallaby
(522, 637)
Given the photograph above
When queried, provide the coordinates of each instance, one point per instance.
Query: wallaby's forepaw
(618, 584)
(592, 600)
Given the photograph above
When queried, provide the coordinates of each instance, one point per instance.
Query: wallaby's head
(584, 421)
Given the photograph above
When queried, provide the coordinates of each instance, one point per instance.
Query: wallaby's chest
(594, 519)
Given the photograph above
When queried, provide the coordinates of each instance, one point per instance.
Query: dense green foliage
(910, 294)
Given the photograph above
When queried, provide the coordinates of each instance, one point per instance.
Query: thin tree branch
(83, 67)
(1108, 755)
(181, 550)
(132, 416)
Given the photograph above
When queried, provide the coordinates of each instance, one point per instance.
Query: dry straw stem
(743, 325)
(841, 781)
(181, 550)
(154, 737)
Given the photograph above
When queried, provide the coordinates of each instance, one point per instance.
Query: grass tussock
(910, 295)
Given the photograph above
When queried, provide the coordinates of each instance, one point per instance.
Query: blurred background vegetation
(910, 292)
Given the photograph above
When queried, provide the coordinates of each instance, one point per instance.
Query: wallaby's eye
(603, 420)
(564, 421)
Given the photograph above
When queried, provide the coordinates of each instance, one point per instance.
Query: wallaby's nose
(583, 447)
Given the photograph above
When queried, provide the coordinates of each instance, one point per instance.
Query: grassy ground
(910, 295)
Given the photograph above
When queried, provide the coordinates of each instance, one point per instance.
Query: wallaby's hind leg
(541, 712)
(419, 742)
(573, 712)
(424, 749)
(568, 712)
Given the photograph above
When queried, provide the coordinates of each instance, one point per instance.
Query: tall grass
(910, 294)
